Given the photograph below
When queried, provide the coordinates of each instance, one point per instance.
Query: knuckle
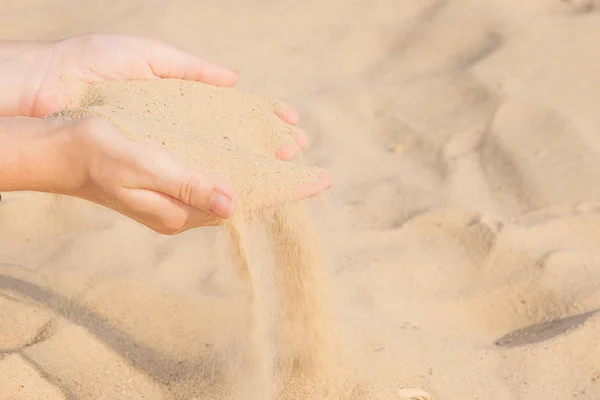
(193, 190)
(186, 191)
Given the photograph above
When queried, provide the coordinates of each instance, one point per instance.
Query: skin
(90, 159)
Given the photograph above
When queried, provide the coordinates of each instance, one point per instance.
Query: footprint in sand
(570, 281)
(541, 278)
(443, 252)
(581, 6)
(440, 39)
(437, 124)
(439, 107)
(23, 321)
(531, 155)
(22, 324)
(21, 379)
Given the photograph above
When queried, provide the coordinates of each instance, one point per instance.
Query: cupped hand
(143, 181)
(62, 68)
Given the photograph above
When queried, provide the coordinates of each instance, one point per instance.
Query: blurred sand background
(462, 230)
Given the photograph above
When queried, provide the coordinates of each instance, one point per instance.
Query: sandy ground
(462, 229)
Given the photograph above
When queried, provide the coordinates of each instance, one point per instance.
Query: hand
(38, 78)
(142, 181)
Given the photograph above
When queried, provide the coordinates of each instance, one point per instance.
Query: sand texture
(461, 232)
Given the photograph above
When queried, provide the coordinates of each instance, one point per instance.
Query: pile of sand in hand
(291, 351)
(220, 130)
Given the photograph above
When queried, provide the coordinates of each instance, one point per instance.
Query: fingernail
(287, 113)
(287, 152)
(221, 205)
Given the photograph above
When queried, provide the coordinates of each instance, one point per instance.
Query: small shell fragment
(413, 394)
(397, 149)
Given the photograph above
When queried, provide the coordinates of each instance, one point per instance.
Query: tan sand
(462, 230)
(233, 134)
(290, 345)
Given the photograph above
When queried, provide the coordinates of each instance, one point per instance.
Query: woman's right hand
(140, 181)
(143, 181)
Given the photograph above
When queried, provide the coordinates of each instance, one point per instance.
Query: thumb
(169, 62)
(195, 188)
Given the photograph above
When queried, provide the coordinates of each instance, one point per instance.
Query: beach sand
(461, 233)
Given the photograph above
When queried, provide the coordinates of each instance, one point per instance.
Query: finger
(287, 113)
(288, 150)
(306, 190)
(300, 137)
(197, 189)
(162, 213)
(169, 62)
(291, 146)
(311, 189)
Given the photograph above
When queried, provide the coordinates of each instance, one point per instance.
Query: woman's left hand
(39, 78)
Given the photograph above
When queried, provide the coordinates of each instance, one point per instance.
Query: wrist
(23, 66)
(37, 155)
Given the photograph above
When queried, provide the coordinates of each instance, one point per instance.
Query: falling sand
(291, 350)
